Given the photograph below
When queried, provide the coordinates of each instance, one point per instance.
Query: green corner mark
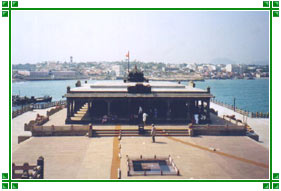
(275, 185)
(4, 175)
(275, 175)
(15, 186)
(4, 13)
(265, 185)
(275, 3)
(15, 4)
(5, 3)
(275, 13)
(5, 186)
(266, 4)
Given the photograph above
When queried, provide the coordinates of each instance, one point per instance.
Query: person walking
(144, 117)
(153, 133)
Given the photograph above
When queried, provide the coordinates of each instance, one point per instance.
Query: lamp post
(234, 103)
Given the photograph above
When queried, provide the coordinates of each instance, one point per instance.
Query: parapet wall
(217, 130)
(59, 130)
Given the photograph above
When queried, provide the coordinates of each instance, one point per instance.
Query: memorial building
(120, 102)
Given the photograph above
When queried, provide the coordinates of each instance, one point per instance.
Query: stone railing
(217, 130)
(40, 120)
(54, 110)
(249, 131)
(59, 130)
(29, 171)
(22, 110)
(30, 107)
(241, 111)
(233, 120)
(50, 104)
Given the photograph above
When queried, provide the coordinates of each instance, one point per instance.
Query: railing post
(53, 128)
(13, 170)
(40, 162)
(90, 130)
(25, 174)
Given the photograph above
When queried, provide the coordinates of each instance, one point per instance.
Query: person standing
(144, 117)
(196, 118)
(153, 133)
(140, 114)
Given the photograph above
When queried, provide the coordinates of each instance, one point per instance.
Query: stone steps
(132, 132)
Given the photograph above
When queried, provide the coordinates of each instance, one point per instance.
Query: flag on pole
(128, 54)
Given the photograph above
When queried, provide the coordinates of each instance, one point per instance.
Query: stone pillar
(72, 108)
(196, 104)
(90, 107)
(108, 107)
(187, 105)
(208, 110)
(68, 110)
(168, 110)
(91, 110)
(129, 109)
(200, 110)
(75, 106)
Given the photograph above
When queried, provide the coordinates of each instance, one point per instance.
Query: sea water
(250, 95)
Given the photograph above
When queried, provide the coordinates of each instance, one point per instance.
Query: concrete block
(22, 138)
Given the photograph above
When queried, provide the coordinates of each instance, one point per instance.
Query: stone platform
(204, 157)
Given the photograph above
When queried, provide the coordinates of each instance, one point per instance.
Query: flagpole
(128, 61)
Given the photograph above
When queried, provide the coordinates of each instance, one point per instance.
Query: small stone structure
(145, 166)
(40, 120)
(54, 110)
(29, 171)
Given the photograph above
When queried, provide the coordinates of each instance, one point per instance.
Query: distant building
(252, 68)
(192, 66)
(212, 68)
(242, 68)
(116, 69)
(24, 72)
(63, 74)
(52, 65)
(232, 68)
(39, 74)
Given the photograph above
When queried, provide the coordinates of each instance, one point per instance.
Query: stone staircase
(135, 132)
(81, 114)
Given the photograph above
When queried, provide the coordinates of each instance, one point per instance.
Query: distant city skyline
(150, 36)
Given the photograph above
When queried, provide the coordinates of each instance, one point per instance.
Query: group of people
(198, 118)
(142, 116)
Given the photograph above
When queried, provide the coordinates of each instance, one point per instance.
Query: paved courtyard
(236, 157)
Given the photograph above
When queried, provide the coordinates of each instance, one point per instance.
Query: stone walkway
(19, 121)
(259, 125)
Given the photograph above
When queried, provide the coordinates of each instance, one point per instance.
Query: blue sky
(160, 36)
